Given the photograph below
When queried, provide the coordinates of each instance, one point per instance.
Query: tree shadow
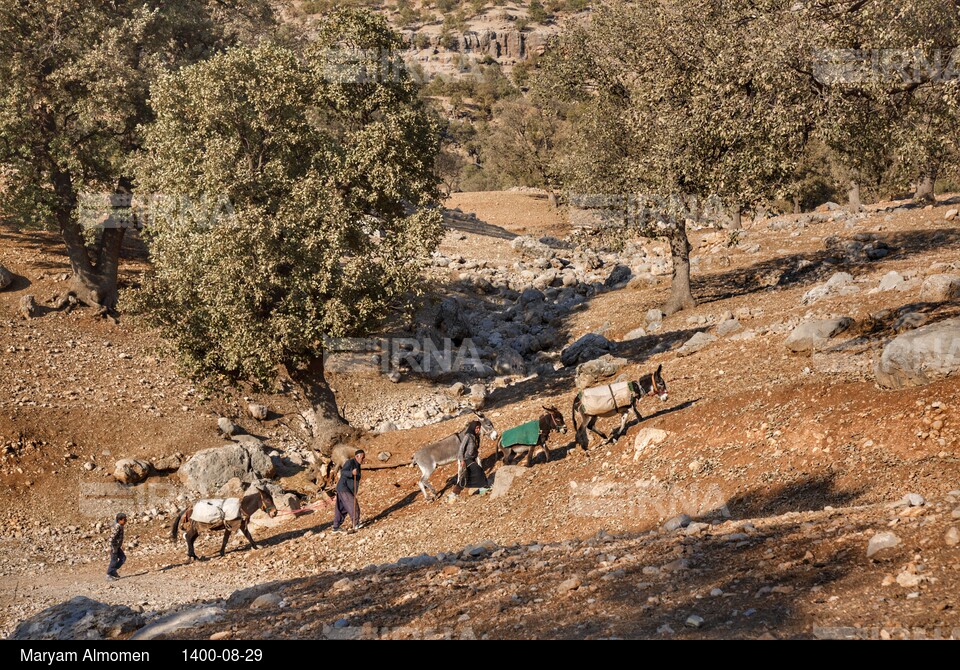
(803, 269)
(636, 352)
(757, 594)
(456, 220)
(406, 501)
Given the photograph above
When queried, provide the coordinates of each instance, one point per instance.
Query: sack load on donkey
(229, 515)
(530, 436)
(612, 400)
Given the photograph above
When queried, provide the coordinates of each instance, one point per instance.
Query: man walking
(117, 557)
(347, 493)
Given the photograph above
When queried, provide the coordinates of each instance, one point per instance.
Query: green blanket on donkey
(525, 435)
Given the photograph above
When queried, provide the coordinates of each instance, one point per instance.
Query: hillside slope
(804, 454)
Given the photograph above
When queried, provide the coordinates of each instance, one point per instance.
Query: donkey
(256, 498)
(530, 442)
(443, 452)
(649, 385)
(324, 471)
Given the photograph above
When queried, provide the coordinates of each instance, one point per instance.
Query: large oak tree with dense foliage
(325, 162)
(685, 101)
(886, 76)
(74, 86)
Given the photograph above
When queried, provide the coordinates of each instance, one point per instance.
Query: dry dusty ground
(805, 454)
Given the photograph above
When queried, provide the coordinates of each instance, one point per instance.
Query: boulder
(509, 362)
(696, 343)
(131, 471)
(28, 307)
(840, 283)
(530, 297)
(452, 320)
(267, 601)
(226, 426)
(881, 542)
(891, 281)
(6, 278)
(79, 618)
(249, 441)
(258, 412)
(286, 502)
(168, 463)
(728, 327)
(232, 489)
(940, 288)
(654, 316)
(921, 356)
(503, 479)
(182, 620)
(677, 522)
(635, 334)
(244, 597)
(532, 248)
(951, 214)
(208, 470)
(587, 348)
(646, 438)
(601, 370)
(910, 321)
(619, 277)
(811, 335)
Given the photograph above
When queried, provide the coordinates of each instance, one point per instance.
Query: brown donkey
(256, 498)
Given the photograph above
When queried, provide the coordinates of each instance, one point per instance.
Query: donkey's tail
(176, 526)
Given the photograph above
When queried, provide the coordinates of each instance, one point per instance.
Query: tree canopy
(325, 164)
(74, 86)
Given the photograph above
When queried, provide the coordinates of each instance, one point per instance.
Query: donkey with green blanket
(530, 436)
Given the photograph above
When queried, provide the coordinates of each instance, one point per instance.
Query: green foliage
(74, 84)
(526, 143)
(881, 114)
(74, 81)
(537, 13)
(690, 98)
(330, 178)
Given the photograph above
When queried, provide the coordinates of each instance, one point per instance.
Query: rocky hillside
(449, 38)
(790, 456)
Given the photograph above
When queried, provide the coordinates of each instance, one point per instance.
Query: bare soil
(804, 454)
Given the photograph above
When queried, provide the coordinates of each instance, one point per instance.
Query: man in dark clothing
(469, 473)
(117, 557)
(347, 493)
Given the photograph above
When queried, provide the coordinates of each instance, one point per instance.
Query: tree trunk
(926, 191)
(681, 295)
(95, 285)
(736, 222)
(856, 205)
(325, 424)
(796, 205)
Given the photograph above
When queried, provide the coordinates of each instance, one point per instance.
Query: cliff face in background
(505, 34)
(505, 43)
(448, 55)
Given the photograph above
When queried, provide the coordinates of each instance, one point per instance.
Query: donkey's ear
(660, 369)
(549, 409)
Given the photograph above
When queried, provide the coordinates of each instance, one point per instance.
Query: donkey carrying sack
(216, 511)
(601, 400)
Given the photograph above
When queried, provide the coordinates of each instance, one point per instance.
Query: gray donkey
(443, 452)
